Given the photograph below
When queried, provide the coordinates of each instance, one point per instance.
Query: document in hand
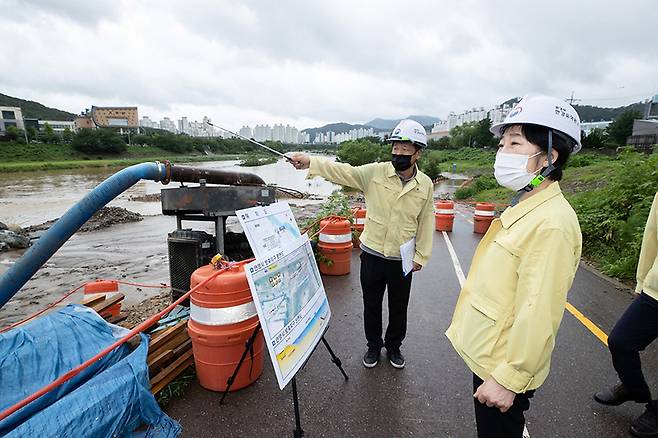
(407, 251)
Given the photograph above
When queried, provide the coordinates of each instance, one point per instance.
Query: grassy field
(28, 157)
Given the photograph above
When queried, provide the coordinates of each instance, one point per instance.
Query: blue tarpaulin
(109, 399)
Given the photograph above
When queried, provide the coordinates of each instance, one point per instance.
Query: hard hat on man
(409, 130)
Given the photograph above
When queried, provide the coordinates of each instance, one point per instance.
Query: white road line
(460, 277)
(455, 260)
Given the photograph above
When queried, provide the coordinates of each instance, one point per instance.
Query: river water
(134, 252)
(30, 198)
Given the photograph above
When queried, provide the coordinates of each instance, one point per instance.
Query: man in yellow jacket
(399, 202)
(511, 305)
(635, 330)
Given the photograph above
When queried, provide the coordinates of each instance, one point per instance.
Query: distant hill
(335, 127)
(35, 110)
(590, 113)
(389, 124)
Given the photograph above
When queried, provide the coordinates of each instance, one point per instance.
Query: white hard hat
(547, 111)
(409, 130)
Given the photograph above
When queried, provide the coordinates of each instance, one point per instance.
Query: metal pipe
(14, 278)
(214, 176)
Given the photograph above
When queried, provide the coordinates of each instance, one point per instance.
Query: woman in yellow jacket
(511, 305)
(635, 330)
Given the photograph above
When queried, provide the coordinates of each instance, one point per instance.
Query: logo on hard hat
(397, 131)
(516, 111)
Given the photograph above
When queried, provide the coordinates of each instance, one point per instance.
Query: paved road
(432, 396)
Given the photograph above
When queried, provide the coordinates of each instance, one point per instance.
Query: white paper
(407, 252)
(270, 228)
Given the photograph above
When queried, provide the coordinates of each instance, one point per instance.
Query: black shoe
(371, 358)
(619, 394)
(395, 358)
(646, 425)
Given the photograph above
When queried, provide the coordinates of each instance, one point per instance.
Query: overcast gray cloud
(313, 62)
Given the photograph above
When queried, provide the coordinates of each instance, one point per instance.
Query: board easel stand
(298, 432)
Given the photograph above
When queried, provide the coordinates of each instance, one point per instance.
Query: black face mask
(401, 162)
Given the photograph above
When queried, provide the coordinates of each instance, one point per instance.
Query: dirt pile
(103, 218)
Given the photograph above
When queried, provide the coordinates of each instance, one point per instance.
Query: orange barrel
(444, 215)
(222, 319)
(105, 286)
(335, 244)
(360, 219)
(484, 214)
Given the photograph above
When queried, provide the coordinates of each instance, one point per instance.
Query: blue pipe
(12, 280)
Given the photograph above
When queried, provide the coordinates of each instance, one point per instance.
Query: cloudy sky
(312, 62)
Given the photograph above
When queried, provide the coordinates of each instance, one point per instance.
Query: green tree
(98, 141)
(49, 135)
(472, 134)
(67, 135)
(362, 151)
(482, 137)
(458, 137)
(173, 143)
(430, 163)
(32, 133)
(12, 133)
(596, 139)
(442, 143)
(622, 128)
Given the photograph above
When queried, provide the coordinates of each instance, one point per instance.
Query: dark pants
(492, 423)
(636, 329)
(378, 274)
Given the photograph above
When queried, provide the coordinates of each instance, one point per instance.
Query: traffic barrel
(222, 319)
(335, 245)
(484, 214)
(444, 215)
(360, 219)
(101, 287)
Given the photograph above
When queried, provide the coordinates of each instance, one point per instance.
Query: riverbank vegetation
(252, 160)
(611, 195)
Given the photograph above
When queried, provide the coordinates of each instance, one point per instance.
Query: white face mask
(511, 171)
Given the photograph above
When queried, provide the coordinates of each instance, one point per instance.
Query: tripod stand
(298, 432)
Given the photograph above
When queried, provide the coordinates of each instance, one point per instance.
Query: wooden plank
(163, 335)
(171, 376)
(171, 332)
(104, 305)
(91, 300)
(117, 319)
(170, 343)
(174, 367)
(160, 361)
(183, 347)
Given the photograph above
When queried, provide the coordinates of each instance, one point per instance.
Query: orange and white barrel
(444, 215)
(335, 244)
(105, 287)
(222, 319)
(483, 216)
(360, 219)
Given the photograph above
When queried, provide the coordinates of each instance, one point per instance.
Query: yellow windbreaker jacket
(395, 213)
(647, 267)
(512, 303)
